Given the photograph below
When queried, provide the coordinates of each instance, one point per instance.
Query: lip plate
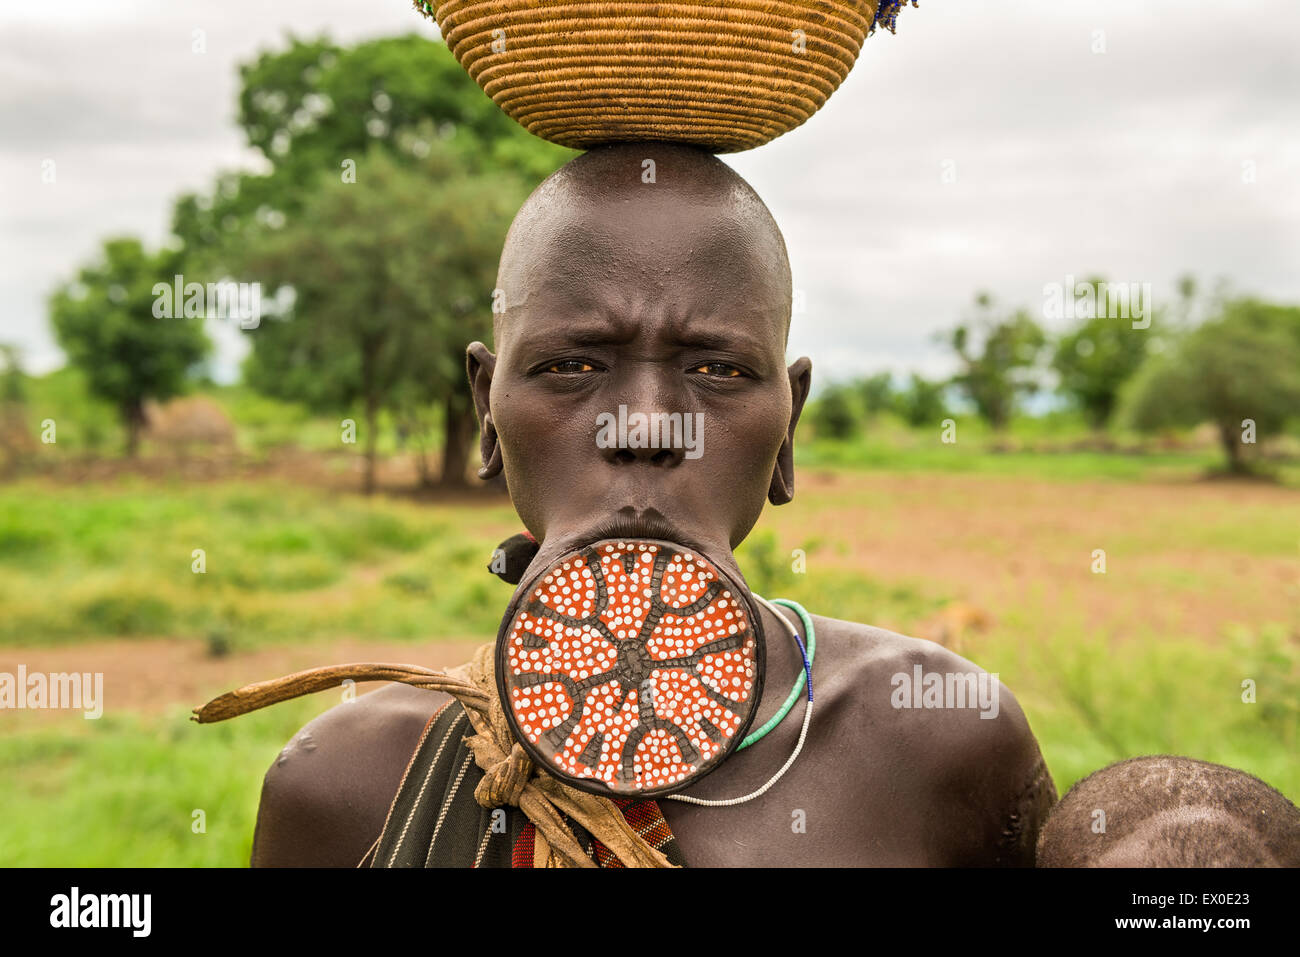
(591, 785)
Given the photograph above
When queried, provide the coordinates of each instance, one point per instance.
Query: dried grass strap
(264, 693)
(509, 777)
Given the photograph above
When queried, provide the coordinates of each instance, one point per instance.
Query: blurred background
(1045, 267)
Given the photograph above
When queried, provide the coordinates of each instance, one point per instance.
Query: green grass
(1091, 703)
(282, 564)
(290, 564)
(82, 424)
(1056, 446)
(936, 457)
(122, 791)
(770, 571)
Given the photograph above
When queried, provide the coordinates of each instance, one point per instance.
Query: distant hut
(189, 423)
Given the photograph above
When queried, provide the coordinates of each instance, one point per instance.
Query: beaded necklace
(805, 675)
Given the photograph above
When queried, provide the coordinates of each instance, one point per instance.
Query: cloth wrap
(436, 820)
(504, 776)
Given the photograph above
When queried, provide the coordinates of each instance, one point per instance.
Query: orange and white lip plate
(630, 667)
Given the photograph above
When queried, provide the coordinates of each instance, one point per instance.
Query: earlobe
(781, 491)
(490, 450)
(480, 364)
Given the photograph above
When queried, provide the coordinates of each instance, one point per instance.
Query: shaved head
(1168, 811)
(607, 213)
(650, 278)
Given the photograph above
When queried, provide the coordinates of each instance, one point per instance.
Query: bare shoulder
(326, 795)
(954, 727)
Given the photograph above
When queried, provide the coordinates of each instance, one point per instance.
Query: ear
(781, 490)
(480, 363)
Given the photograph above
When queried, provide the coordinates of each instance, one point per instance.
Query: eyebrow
(566, 336)
(713, 339)
(578, 334)
(616, 330)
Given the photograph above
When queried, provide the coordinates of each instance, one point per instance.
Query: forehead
(645, 261)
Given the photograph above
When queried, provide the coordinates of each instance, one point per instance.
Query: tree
(13, 381)
(314, 109)
(1096, 358)
(319, 113)
(876, 393)
(15, 441)
(995, 377)
(921, 403)
(105, 321)
(833, 414)
(1240, 370)
(391, 276)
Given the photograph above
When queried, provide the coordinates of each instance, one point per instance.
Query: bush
(834, 414)
(1240, 371)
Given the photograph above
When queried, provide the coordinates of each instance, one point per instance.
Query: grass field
(280, 564)
(1055, 446)
(1201, 592)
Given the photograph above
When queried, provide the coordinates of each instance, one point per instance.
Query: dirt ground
(395, 475)
(1182, 560)
(152, 676)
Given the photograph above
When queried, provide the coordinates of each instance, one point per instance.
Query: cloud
(976, 149)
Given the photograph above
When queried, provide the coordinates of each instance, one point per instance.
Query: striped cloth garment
(435, 821)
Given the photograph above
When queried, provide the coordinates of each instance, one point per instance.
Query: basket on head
(724, 76)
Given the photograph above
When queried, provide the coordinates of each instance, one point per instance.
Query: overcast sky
(993, 149)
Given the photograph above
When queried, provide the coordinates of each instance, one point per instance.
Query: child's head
(1166, 811)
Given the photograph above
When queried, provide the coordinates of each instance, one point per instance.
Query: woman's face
(637, 303)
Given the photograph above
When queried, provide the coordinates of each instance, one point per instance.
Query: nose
(655, 456)
(645, 424)
(629, 435)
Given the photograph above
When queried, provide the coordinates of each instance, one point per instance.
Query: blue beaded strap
(804, 676)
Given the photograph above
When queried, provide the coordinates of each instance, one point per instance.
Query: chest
(833, 808)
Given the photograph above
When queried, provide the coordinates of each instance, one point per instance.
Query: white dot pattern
(575, 628)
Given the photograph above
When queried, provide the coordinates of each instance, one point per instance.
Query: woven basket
(725, 76)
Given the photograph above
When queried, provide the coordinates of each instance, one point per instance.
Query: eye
(720, 369)
(570, 366)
